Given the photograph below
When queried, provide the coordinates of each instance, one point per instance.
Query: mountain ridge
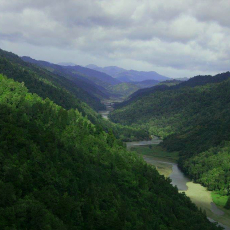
(131, 75)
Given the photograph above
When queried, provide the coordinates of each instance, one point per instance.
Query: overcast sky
(177, 38)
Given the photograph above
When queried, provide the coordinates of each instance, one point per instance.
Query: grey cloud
(187, 35)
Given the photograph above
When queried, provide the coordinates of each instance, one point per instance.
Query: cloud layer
(174, 37)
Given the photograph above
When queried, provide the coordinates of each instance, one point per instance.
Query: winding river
(197, 193)
(169, 168)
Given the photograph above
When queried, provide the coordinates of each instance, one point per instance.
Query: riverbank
(203, 199)
(153, 154)
(166, 164)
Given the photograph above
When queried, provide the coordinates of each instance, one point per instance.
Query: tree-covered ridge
(46, 84)
(59, 171)
(90, 84)
(193, 121)
(97, 83)
(211, 168)
(192, 82)
(63, 92)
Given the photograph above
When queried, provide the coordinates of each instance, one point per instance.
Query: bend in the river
(197, 193)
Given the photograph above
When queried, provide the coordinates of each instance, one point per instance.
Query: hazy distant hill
(129, 75)
(111, 70)
(66, 64)
(94, 82)
(94, 74)
(46, 84)
(81, 81)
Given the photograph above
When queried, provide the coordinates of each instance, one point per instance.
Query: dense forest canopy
(60, 171)
(45, 83)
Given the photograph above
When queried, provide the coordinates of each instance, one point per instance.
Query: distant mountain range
(106, 82)
(129, 75)
(66, 64)
(98, 83)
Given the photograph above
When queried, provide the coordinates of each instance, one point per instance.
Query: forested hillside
(46, 84)
(94, 82)
(193, 118)
(60, 171)
(85, 82)
(64, 93)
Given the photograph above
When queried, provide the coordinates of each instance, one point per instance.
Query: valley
(65, 166)
(114, 115)
(108, 108)
(166, 164)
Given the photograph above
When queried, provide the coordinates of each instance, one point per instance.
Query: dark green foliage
(193, 118)
(228, 204)
(62, 91)
(211, 168)
(59, 171)
(92, 85)
(46, 84)
(124, 132)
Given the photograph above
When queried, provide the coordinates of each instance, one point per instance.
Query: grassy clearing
(218, 199)
(156, 151)
(203, 198)
(162, 168)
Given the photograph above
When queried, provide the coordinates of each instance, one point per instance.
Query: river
(167, 167)
(197, 193)
(109, 107)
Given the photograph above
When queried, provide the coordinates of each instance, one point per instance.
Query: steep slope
(46, 84)
(129, 75)
(80, 80)
(59, 171)
(93, 74)
(193, 118)
(96, 83)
